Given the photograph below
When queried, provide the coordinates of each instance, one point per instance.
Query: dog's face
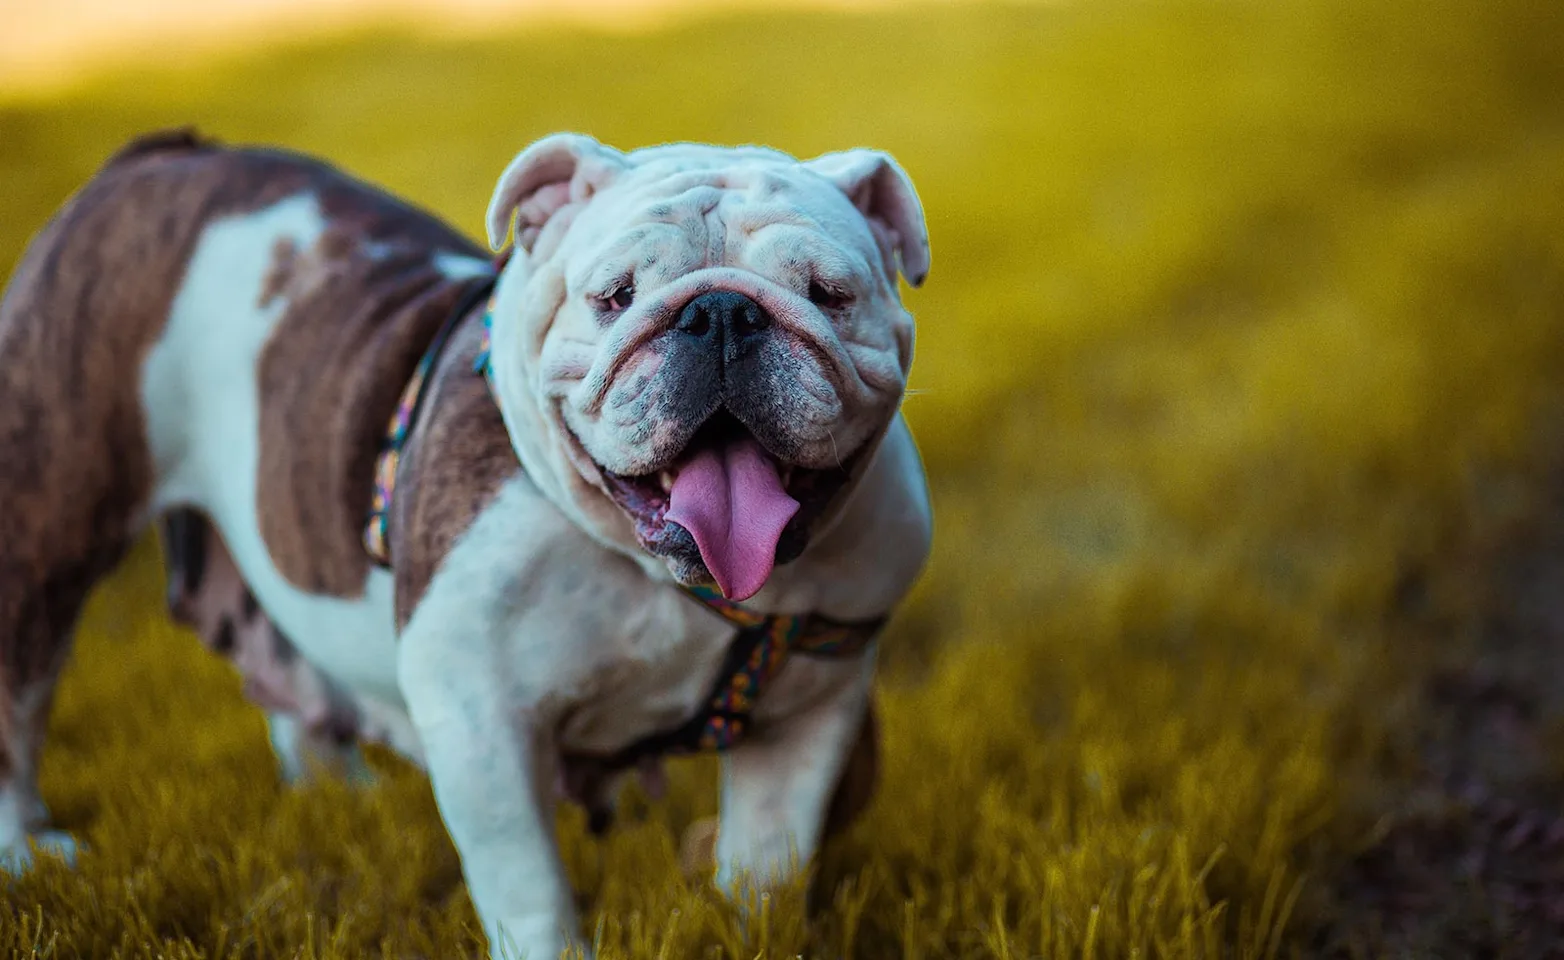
(699, 347)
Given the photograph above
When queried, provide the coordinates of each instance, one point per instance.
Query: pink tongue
(732, 502)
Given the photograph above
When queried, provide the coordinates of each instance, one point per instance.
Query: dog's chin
(647, 498)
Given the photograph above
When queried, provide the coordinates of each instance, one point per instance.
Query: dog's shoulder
(458, 458)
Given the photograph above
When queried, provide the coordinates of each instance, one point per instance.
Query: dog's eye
(619, 298)
(827, 297)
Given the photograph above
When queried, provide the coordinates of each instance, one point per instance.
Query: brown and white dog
(697, 360)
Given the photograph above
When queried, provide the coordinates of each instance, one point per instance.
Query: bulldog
(638, 486)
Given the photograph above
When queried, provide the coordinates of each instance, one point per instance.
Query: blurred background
(1237, 383)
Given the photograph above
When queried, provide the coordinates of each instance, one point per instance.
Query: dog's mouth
(726, 509)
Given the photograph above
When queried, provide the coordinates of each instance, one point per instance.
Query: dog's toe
(50, 843)
(698, 850)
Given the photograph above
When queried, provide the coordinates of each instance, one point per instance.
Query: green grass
(1236, 309)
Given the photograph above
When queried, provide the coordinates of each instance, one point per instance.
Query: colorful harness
(759, 648)
(377, 538)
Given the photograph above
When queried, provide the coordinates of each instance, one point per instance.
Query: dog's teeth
(666, 479)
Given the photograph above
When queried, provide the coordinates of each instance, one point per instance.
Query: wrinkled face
(713, 337)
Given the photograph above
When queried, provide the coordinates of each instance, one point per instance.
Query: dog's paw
(533, 938)
(19, 858)
(355, 769)
(698, 849)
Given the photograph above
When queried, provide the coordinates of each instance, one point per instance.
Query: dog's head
(697, 349)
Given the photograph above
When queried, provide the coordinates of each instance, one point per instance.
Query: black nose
(723, 316)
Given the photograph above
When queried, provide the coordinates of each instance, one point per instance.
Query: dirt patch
(1468, 856)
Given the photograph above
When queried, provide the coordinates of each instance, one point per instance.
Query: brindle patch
(224, 642)
(222, 611)
(362, 305)
(184, 561)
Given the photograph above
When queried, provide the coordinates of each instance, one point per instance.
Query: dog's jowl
(638, 487)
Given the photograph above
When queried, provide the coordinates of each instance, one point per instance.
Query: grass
(1238, 312)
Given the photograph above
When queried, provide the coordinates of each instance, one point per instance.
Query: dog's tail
(184, 139)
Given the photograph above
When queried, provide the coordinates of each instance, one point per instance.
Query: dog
(637, 486)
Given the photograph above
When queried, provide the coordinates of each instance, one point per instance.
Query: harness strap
(377, 529)
(758, 651)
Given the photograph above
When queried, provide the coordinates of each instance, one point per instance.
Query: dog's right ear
(881, 190)
(560, 169)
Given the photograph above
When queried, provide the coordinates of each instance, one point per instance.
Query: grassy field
(1239, 313)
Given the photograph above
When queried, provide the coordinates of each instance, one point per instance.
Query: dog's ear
(883, 193)
(559, 169)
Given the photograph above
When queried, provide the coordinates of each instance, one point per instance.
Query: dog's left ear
(883, 193)
(559, 169)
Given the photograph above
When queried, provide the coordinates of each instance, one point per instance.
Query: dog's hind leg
(301, 751)
(69, 510)
(24, 819)
(37, 621)
(313, 725)
(66, 520)
(75, 479)
(82, 310)
(23, 816)
(322, 730)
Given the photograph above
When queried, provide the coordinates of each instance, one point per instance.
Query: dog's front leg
(492, 768)
(777, 784)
